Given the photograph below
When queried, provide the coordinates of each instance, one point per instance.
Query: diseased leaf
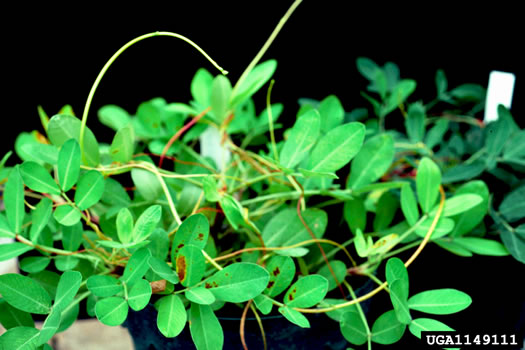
(190, 265)
(194, 230)
(68, 164)
(37, 178)
(307, 291)
(282, 272)
(121, 149)
(238, 282)
(90, 188)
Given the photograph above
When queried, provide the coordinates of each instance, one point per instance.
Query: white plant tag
(210, 142)
(499, 91)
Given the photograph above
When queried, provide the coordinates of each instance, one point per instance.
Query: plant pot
(324, 333)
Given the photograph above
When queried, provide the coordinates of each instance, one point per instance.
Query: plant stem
(270, 121)
(211, 261)
(360, 311)
(115, 56)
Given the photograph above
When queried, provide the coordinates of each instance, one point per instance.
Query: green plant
(243, 221)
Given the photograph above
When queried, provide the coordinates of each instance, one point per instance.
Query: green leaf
(124, 225)
(263, 303)
(238, 282)
(12, 250)
(372, 161)
(435, 134)
(205, 328)
(136, 267)
(399, 298)
(353, 329)
(112, 311)
(440, 301)
(163, 270)
(201, 87)
(90, 188)
(37, 178)
(335, 149)
(139, 295)
(482, 246)
(149, 118)
(399, 94)
(69, 316)
(34, 264)
(104, 286)
(386, 208)
(286, 228)
(190, 265)
(339, 269)
(396, 270)
(464, 172)
(24, 294)
(441, 82)
(50, 326)
(11, 317)
(194, 230)
(67, 262)
(20, 338)
(466, 221)
(295, 317)
(461, 203)
(40, 153)
(294, 252)
(307, 291)
(147, 184)
(409, 205)
(468, 92)
(444, 226)
(498, 133)
(172, 316)
(362, 246)
(146, 223)
(515, 147)
(121, 149)
(200, 295)
(318, 174)
(115, 194)
(367, 67)
(332, 113)
(209, 186)
(387, 329)
(282, 273)
(63, 127)
(40, 218)
(5, 230)
(453, 248)
(301, 139)
(427, 324)
(66, 215)
(354, 212)
(415, 122)
(221, 91)
(47, 280)
(68, 164)
(259, 75)
(428, 180)
(513, 206)
(113, 116)
(515, 242)
(67, 288)
(232, 210)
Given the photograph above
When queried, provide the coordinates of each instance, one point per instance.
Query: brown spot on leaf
(270, 284)
(290, 296)
(181, 267)
(276, 271)
(180, 246)
(226, 274)
(215, 284)
(158, 286)
(200, 237)
(207, 285)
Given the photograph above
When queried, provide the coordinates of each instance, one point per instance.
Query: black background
(51, 56)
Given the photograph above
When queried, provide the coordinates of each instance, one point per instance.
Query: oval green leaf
(24, 294)
(163, 270)
(238, 282)
(353, 329)
(409, 204)
(482, 246)
(301, 139)
(427, 324)
(14, 200)
(440, 301)
(200, 295)
(339, 269)
(172, 316)
(259, 75)
(12, 250)
(68, 166)
(40, 218)
(399, 298)
(124, 225)
(34, 264)
(444, 226)
(461, 203)
(137, 266)
(37, 178)
(387, 329)
(194, 230)
(20, 338)
(11, 317)
(112, 311)
(396, 270)
(50, 326)
(104, 286)
(90, 188)
(428, 179)
(205, 328)
(66, 215)
(67, 288)
(121, 149)
(139, 295)
(146, 223)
